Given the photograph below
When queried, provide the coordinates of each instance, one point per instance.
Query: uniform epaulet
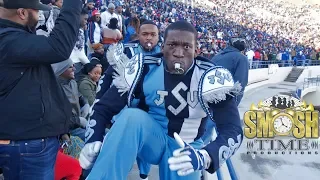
(214, 86)
(133, 45)
(153, 59)
(203, 63)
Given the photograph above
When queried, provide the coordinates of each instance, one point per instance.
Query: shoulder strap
(133, 45)
(152, 60)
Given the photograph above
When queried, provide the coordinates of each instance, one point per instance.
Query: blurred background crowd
(274, 30)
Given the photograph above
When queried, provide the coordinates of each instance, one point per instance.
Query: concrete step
(294, 75)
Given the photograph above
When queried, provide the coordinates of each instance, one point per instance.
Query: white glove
(85, 110)
(89, 154)
(83, 122)
(187, 160)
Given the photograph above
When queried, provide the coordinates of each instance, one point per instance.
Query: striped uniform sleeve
(110, 104)
(230, 134)
(105, 82)
(91, 28)
(129, 52)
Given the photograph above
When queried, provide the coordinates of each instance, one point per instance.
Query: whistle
(149, 45)
(177, 67)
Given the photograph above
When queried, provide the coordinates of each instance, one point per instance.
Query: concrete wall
(275, 74)
(309, 71)
(311, 95)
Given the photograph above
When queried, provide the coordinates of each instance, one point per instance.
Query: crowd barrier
(300, 63)
(281, 63)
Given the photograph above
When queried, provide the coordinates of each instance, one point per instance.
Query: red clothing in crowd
(67, 167)
(257, 55)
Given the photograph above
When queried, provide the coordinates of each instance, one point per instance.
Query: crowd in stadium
(273, 31)
(279, 33)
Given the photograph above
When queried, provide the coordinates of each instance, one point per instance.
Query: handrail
(282, 63)
(298, 63)
(311, 81)
(231, 170)
(308, 82)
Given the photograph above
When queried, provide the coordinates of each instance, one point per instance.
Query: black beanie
(88, 67)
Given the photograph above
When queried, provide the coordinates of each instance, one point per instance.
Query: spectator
(95, 35)
(99, 57)
(78, 55)
(57, 5)
(257, 58)
(121, 20)
(88, 85)
(250, 54)
(107, 15)
(118, 14)
(133, 28)
(45, 114)
(111, 34)
(232, 59)
(89, 6)
(80, 107)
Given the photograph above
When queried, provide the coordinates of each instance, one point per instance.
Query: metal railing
(308, 82)
(311, 81)
(300, 63)
(219, 174)
(264, 64)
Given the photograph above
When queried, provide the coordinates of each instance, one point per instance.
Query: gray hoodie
(70, 88)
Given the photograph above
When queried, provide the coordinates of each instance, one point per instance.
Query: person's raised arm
(34, 49)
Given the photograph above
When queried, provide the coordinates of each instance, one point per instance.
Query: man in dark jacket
(34, 109)
(232, 59)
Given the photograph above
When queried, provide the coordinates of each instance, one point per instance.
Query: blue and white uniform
(167, 103)
(130, 49)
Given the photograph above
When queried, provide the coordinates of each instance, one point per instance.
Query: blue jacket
(237, 63)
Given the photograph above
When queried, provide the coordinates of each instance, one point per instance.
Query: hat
(87, 68)
(27, 4)
(95, 12)
(111, 6)
(97, 46)
(61, 67)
